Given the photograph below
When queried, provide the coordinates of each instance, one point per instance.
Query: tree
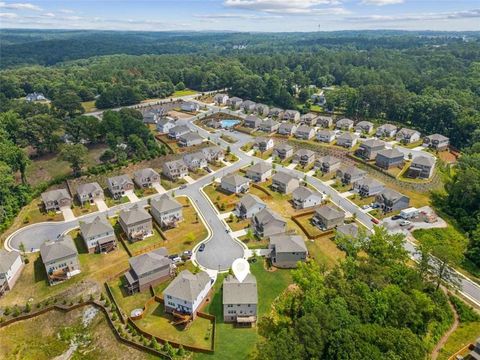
(68, 103)
(41, 132)
(107, 156)
(76, 155)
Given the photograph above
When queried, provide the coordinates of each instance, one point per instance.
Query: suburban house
(304, 197)
(262, 109)
(368, 186)
(235, 184)
(190, 139)
(147, 270)
(166, 211)
(240, 299)
(326, 136)
(291, 115)
(263, 144)
(187, 292)
(175, 169)
(368, 149)
(177, 131)
(328, 217)
(390, 200)
(195, 161)
(120, 185)
(350, 174)
(389, 158)
(259, 172)
(55, 200)
(407, 136)
(11, 266)
(253, 122)
(89, 193)
(275, 113)
(386, 131)
(347, 230)
(325, 122)
(304, 157)
(282, 151)
(35, 97)
(421, 167)
(284, 182)
(165, 125)
(150, 117)
(190, 106)
(220, 99)
(60, 259)
(304, 132)
(234, 102)
(287, 250)
(309, 119)
(267, 223)
(248, 106)
(98, 235)
(347, 140)
(269, 126)
(248, 206)
(328, 163)
(365, 127)
(436, 141)
(344, 124)
(213, 153)
(286, 128)
(146, 178)
(318, 99)
(136, 223)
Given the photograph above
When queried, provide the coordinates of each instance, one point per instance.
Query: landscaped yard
(170, 184)
(254, 242)
(222, 200)
(237, 343)
(157, 322)
(145, 245)
(237, 224)
(466, 333)
(128, 302)
(341, 187)
(110, 201)
(143, 192)
(35, 213)
(379, 214)
(360, 201)
(184, 92)
(324, 251)
(87, 208)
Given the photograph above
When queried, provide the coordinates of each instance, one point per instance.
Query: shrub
(16, 311)
(7, 311)
(465, 312)
(28, 308)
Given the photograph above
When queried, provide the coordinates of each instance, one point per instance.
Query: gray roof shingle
(236, 292)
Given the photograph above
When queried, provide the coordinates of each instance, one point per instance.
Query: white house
(11, 266)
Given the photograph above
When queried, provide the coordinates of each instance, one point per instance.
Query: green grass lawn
(157, 322)
(324, 251)
(340, 187)
(150, 242)
(110, 201)
(465, 334)
(89, 106)
(237, 343)
(238, 224)
(223, 201)
(184, 92)
(145, 192)
(379, 214)
(170, 184)
(360, 201)
(128, 302)
(87, 208)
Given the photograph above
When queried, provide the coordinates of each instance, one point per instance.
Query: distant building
(407, 136)
(368, 186)
(240, 300)
(259, 172)
(284, 182)
(328, 164)
(365, 127)
(253, 122)
(235, 184)
(190, 106)
(213, 153)
(165, 125)
(187, 292)
(11, 266)
(234, 102)
(262, 110)
(98, 235)
(89, 193)
(35, 97)
(309, 119)
(275, 113)
(177, 131)
(344, 124)
(175, 169)
(347, 140)
(304, 132)
(286, 128)
(282, 151)
(291, 115)
(166, 211)
(136, 223)
(326, 136)
(389, 158)
(263, 144)
(220, 99)
(304, 157)
(390, 200)
(195, 161)
(325, 122)
(146, 178)
(368, 149)
(60, 259)
(304, 197)
(350, 174)
(248, 106)
(328, 217)
(421, 167)
(269, 126)
(248, 206)
(266, 223)
(56, 200)
(147, 270)
(386, 131)
(190, 139)
(119, 186)
(287, 250)
(436, 141)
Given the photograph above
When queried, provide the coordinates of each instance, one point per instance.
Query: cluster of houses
(179, 168)
(184, 136)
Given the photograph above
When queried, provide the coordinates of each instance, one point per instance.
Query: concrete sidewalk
(188, 179)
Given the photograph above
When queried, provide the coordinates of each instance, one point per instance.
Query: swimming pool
(228, 123)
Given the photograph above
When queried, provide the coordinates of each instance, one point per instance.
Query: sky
(242, 15)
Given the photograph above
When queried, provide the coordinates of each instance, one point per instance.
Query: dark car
(208, 169)
(173, 256)
(183, 187)
(201, 248)
(396, 217)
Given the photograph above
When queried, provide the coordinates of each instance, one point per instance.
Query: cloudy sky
(242, 15)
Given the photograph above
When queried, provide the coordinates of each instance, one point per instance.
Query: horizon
(259, 16)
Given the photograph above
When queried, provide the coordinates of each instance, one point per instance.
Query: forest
(427, 81)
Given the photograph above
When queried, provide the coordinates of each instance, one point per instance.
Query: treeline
(434, 89)
(373, 305)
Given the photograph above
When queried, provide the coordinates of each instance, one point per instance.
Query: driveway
(101, 205)
(67, 214)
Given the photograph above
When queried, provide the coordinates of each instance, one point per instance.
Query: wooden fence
(306, 232)
(262, 189)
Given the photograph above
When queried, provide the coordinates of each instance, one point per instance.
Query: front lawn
(184, 92)
(324, 251)
(237, 224)
(170, 184)
(143, 192)
(222, 200)
(466, 333)
(35, 213)
(110, 201)
(341, 187)
(379, 214)
(87, 208)
(145, 245)
(360, 201)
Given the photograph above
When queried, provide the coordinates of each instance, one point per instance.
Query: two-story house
(220, 99)
(276, 113)
(269, 126)
(166, 211)
(253, 122)
(89, 193)
(287, 129)
(98, 235)
(350, 174)
(386, 131)
(235, 184)
(328, 217)
(389, 158)
(213, 153)
(368, 149)
(436, 141)
(308, 119)
(56, 200)
(287, 250)
(234, 102)
(165, 125)
(247, 106)
(259, 172)
(344, 124)
(136, 223)
(304, 197)
(291, 115)
(326, 136)
(190, 139)
(304, 157)
(390, 200)
(146, 178)
(240, 300)
(248, 206)
(421, 167)
(364, 127)
(11, 266)
(283, 151)
(261, 109)
(407, 136)
(195, 161)
(347, 140)
(325, 122)
(190, 106)
(177, 131)
(368, 187)
(175, 169)
(120, 185)
(266, 223)
(328, 164)
(284, 182)
(304, 132)
(263, 144)
(60, 259)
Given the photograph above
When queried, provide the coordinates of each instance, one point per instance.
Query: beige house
(60, 259)
(240, 300)
(11, 266)
(284, 182)
(287, 250)
(166, 211)
(146, 178)
(328, 217)
(266, 223)
(120, 185)
(259, 172)
(98, 235)
(55, 200)
(136, 223)
(89, 193)
(175, 169)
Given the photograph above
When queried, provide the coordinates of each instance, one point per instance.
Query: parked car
(375, 221)
(396, 217)
(183, 187)
(187, 254)
(201, 248)
(405, 223)
(365, 207)
(173, 256)
(208, 169)
(177, 260)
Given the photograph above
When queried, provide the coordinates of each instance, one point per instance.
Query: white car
(365, 207)
(405, 223)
